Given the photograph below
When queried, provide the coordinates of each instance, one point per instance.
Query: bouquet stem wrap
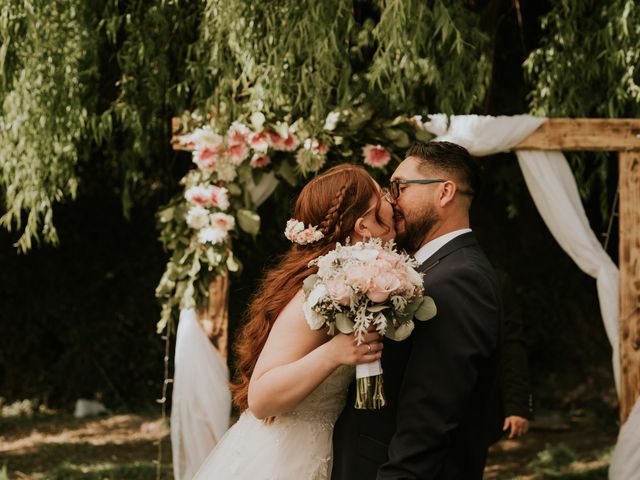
(369, 386)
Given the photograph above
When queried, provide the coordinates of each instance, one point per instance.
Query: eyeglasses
(394, 186)
(385, 194)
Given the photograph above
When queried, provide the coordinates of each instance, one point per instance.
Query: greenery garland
(238, 167)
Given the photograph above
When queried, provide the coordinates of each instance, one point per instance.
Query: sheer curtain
(555, 194)
(201, 400)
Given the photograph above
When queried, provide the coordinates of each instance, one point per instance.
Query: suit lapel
(465, 240)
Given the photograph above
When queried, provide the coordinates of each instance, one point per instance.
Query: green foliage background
(88, 89)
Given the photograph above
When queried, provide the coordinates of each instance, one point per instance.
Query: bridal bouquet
(357, 286)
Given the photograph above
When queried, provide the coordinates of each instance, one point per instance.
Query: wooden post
(629, 281)
(215, 319)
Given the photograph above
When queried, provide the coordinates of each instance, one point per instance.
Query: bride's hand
(344, 349)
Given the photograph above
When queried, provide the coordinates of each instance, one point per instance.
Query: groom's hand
(518, 426)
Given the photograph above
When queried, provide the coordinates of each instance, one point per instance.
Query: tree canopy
(98, 82)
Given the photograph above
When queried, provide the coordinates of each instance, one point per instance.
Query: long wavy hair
(333, 201)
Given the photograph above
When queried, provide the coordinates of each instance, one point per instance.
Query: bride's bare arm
(296, 359)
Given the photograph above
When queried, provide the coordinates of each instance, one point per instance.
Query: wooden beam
(175, 128)
(629, 281)
(589, 134)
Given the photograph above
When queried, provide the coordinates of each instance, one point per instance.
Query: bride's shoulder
(291, 321)
(294, 307)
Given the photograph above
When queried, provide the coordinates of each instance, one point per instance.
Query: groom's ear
(447, 192)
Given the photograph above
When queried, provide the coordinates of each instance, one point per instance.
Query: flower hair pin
(297, 233)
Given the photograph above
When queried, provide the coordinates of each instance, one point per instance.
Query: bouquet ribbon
(372, 369)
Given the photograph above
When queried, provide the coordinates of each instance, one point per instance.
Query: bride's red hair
(333, 201)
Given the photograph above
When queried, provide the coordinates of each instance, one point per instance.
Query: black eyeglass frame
(394, 185)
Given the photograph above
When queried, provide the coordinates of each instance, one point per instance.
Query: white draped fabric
(625, 461)
(201, 400)
(555, 194)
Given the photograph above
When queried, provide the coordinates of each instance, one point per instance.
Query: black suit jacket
(441, 384)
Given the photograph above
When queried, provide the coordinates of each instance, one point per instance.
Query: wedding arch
(538, 144)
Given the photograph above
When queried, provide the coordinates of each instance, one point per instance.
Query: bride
(292, 381)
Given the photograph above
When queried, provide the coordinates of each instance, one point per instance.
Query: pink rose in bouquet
(339, 290)
(381, 287)
(359, 276)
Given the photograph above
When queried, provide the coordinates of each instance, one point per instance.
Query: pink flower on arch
(238, 153)
(238, 134)
(222, 221)
(284, 144)
(198, 195)
(208, 196)
(274, 138)
(290, 143)
(320, 148)
(259, 161)
(375, 156)
(219, 197)
(206, 158)
(259, 141)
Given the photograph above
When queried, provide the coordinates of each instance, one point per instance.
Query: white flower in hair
(297, 233)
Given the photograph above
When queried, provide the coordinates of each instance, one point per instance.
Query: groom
(441, 384)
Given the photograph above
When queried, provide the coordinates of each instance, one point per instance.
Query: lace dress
(296, 446)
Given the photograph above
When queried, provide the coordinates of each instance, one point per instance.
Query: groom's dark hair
(452, 159)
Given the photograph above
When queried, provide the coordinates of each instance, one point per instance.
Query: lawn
(57, 446)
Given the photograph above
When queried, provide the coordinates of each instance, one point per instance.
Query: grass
(144, 470)
(54, 446)
(561, 445)
(560, 461)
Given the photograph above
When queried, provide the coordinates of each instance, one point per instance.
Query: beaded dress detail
(296, 446)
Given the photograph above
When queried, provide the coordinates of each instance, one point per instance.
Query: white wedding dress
(296, 446)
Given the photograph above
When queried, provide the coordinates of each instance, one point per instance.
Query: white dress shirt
(431, 247)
